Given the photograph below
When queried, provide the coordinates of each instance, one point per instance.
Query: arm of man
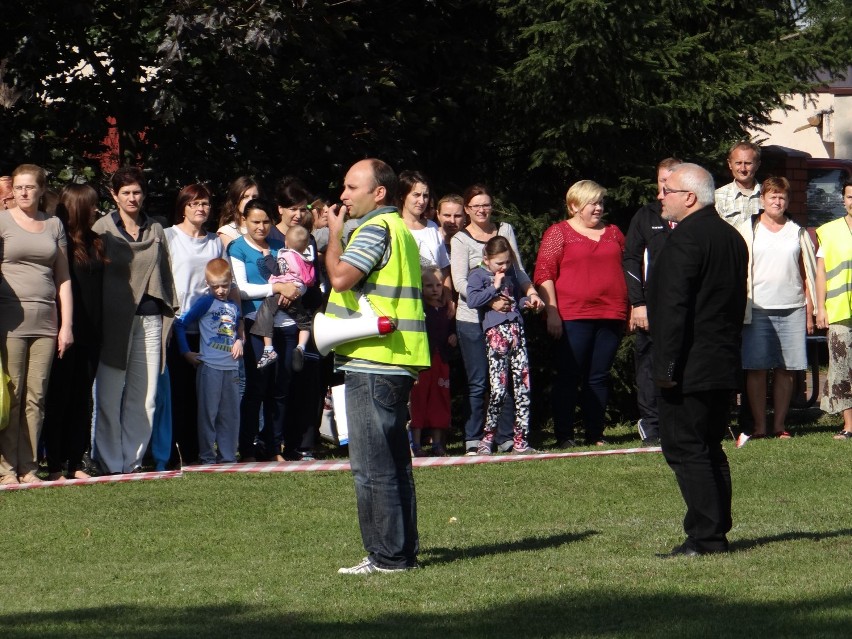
(675, 278)
(633, 264)
(346, 268)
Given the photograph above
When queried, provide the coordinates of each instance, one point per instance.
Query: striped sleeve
(367, 250)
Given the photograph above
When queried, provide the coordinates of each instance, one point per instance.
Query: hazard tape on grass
(106, 479)
(326, 465)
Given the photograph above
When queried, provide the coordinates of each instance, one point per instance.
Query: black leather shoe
(684, 550)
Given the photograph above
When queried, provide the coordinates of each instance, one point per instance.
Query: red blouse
(586, 274)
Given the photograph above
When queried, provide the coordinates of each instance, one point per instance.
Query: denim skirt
(776, 338)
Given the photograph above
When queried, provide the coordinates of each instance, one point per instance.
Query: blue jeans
(268, 387)
(587, 350)
(376, 411)
(475, 355)
(218, 414)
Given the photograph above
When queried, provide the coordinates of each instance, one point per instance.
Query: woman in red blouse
(579, 276)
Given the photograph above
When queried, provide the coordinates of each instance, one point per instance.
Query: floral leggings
(507, 356)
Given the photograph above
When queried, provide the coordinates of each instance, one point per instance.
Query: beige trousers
(28, 361)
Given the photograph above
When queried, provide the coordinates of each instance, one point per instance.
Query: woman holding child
(266, 386)
(306, 392)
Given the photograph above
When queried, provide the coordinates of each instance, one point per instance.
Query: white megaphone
(330, 332)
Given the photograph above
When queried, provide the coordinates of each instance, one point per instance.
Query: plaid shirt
(734, 206)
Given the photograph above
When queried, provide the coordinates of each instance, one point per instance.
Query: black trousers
(692, 427)
(184, 402)
(67, 429)
(646, 390)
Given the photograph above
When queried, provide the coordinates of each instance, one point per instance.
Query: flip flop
(843, 434)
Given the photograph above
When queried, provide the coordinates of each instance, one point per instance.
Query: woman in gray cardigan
(139, 307)
(466, 255)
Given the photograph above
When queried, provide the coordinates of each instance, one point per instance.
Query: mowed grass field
(556, 548)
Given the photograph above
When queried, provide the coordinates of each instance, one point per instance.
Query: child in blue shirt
(493, 289)
(217, 378)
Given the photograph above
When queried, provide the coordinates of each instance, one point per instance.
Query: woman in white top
(466, 255)
(779, 312)
(191, 247)
(414, 197)
(240, 192)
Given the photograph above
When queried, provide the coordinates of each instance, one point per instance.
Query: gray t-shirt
(27, 287)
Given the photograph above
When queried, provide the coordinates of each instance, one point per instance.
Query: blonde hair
(429, 269)
(297, 237)
(582, 193)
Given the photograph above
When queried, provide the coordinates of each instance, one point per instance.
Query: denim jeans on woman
(586, 352)
(268, 387)
(380, 458)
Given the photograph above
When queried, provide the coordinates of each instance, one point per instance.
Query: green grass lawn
(559, 548)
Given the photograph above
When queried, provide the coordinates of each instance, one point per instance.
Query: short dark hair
(126, 176)
(264, 205)
(290, 191)
(847, 184)
(384, 175)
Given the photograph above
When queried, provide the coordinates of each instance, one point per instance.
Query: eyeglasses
(667, 191)
(24, 187)
(480, 207)
(198, 205)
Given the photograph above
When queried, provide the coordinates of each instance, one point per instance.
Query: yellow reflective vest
(394, 291)
(835, 242)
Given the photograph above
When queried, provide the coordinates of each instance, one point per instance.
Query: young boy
(430, 396)
(217, 375)
(293, 264)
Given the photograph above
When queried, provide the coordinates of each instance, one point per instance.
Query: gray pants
(218, 413)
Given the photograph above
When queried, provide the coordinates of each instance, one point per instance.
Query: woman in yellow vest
(834, 310)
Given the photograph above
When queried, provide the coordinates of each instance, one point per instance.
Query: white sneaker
(367, 567)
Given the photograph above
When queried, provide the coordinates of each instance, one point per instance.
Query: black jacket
(647, 231)
(696, 304)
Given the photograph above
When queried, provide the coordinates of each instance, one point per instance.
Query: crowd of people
(195, 331)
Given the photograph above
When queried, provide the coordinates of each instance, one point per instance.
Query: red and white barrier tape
(343, 464)
(106, 479)
(319, 465)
